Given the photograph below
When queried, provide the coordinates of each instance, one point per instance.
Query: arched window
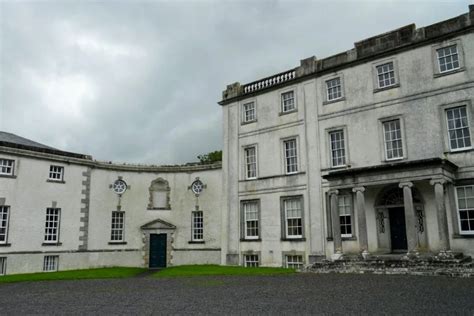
(159, 195)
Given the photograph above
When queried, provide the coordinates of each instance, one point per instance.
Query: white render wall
(29, 194)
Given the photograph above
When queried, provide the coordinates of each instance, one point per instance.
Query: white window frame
(468, 119)
(56, 171)
(341, 90)
(117, 227)
(251, 260)
(445, 56)
(332, 150)
(5, 165)
(52, 230)
(247, 164)
(197, 225)
(458, 210)
(3, 265)
(245, 119)
(246, 228)
(287, 158)
(385, 141)
(283, 100)
(294, 261)
(375, 74)
(299, 199)
(435, 59)
(4, 222)
(348, 212)
(50, 263)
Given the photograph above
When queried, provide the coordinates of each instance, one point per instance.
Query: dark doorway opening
(398, 232)
(157, 251)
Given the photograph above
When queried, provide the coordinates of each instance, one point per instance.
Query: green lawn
(102, 273)
(201, 270)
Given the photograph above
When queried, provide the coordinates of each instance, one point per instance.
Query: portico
(396, 208)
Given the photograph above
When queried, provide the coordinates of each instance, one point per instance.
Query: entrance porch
(393, 208)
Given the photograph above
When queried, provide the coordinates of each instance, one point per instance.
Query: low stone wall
(421, 266)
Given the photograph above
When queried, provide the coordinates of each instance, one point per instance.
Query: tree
(211, 157)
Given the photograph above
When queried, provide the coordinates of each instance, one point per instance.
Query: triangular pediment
(158, 224)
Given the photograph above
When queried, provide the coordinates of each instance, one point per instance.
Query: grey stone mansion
(363, 153)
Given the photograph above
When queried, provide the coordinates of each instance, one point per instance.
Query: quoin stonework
(364, 153)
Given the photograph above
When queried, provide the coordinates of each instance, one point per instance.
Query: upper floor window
(288, 101)
(249, 113)
(197, 228)
(291, 155)
(117, 228)
(250, 212)
(4, 215)
(345, 214)
(250, 162)
(6, 167)
(448, 58)
(393, 139)
(465, 204)
(334, 89)
(293, 215)
(458, 128)
(338, 150)
(56, 173)
(51, 230)
(386, 75)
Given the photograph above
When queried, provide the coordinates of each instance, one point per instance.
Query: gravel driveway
(290, 294)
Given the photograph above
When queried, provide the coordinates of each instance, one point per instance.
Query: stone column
(362, 221)
(336, 225)
(410, 219)
(441, 215)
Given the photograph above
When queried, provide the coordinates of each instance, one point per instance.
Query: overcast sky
(135, 81)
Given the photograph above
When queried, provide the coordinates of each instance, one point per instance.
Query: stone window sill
(447, 73)
(397, 85)
(343, 238)
(52, 244)
(248, 122)
(293, 239)
(117, 242)
(334, 101)
(159, 209)
(287, 112)
(5, 245)
(10, 176)
(196, 242)
(250, 240)
(55, 181)
(459, 151)
(461, 236)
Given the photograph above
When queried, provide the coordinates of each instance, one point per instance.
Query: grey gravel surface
(292, 294)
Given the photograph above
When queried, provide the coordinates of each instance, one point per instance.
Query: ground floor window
(50, 263)
(197, 226)
(345, 218)
(251, 261)
(294, 261)
(116, 233)
(465, 204)
(3, 265)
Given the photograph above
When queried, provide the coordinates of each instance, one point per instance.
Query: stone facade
(379, 169)
(358, 155)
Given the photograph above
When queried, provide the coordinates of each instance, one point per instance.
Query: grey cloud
(139, 81)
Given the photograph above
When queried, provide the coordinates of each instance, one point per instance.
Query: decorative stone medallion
(197, 187)
(119, 186)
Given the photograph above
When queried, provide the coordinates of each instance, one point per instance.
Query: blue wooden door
(157, 251)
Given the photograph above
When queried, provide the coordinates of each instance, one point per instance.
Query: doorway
(157, 251)
(398, 232)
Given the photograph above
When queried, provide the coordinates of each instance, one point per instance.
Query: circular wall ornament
(120, 186)
(197, 187)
